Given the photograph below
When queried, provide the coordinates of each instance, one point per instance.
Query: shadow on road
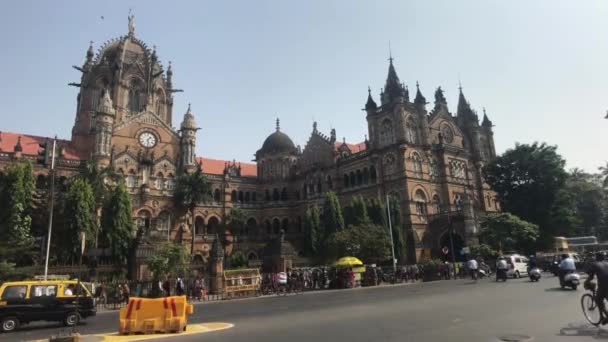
(558, 289)
(584, 329)
(59, 328)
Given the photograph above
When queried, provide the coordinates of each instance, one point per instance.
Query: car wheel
(71, 319)
(10, 324)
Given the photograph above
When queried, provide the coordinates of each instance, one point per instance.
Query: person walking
(197, 288)
(167, 287)
(126, 292)
(179, 286)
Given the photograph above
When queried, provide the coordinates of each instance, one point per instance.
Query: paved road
(455, 310)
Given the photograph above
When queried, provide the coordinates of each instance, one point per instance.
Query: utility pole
(390, 229)
(48, 237)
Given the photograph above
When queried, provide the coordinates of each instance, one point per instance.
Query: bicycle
(589, 306)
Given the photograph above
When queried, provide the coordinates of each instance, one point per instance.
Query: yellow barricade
(155, 315)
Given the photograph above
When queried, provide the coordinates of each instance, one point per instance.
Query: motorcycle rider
(599, 269)
(566, 266)
(501, 268)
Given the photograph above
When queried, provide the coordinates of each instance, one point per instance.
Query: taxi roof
(40, 282)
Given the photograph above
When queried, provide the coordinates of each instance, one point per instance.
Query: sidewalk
(217, 298)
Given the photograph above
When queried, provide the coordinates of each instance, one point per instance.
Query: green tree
(312, 230)
(398, 238)
(368, 242)
(236, 220)
(377, 212)
(79, 215)
(238, 260)
(191, 189)
(507, 232)
(171, 257)
(332, 219)
(359, 212)
(117, 223)
(604, 174)
(100, 180)
(484, 251)
(16, 189)
(527, 180)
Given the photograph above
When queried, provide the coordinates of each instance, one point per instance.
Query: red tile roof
(354, 148)
(31, 145)
(217, 166)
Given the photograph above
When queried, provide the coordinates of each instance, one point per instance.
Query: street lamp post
(390, 229)
(48, 237)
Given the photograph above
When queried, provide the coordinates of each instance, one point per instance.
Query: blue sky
(540, 68)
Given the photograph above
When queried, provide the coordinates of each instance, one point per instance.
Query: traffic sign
(445, 250)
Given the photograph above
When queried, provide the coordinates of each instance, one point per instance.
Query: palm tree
(191, 189)
(604, 174)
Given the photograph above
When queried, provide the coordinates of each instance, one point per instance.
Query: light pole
(390, 229)
(48, 237)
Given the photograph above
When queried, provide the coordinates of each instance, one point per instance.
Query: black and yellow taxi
(64, 301)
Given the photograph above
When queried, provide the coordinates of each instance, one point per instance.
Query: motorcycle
(501, 275)
(571, 280)
(534, 274)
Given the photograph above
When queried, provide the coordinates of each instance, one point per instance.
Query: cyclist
(599, 269)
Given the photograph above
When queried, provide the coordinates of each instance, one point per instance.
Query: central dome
(277, 142)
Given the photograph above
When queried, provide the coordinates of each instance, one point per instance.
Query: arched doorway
(212, 225)
(276, 226)
(458, 245)
(199, 226)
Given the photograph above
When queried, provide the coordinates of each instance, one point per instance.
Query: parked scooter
(534, 274)
(571, 280)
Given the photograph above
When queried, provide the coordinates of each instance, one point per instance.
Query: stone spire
(371, 105)
(18, 147)
(169, 76)
(188, 122)
(406, 92)
(464, 111)
(90, 54)
(278, 125)
(486, 121)
(419, 101)
(440, 101)
(393, 89)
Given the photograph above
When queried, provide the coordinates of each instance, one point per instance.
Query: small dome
(188, 122)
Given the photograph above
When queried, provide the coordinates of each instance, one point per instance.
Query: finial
(417, 85)
(369, 90)
(189, 110)
(314, 126)
(278, 125)
(131, 23)
(484, 110)
(344, 140)
(390, 53)
(169, 68)
(18, 147)
(90, 52)
(459, 85)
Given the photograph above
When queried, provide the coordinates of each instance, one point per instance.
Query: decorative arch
(268, 227)
(285, 225)
(359, 178)
(216, 195)
(213, 224)
(436, 204)
(163, 221)
(420, 198)
(276, 225)
(199, 225)
(387, 134)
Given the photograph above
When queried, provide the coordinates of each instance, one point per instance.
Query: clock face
(147, 139)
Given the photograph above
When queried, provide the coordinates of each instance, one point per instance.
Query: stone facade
(431, 161)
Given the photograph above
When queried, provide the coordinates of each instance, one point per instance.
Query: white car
(518, 265)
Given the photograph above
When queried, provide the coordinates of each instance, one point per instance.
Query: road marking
(191, 330)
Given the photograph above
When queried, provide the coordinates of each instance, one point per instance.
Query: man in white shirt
(501, 268)
(566, 266)
(472, 267)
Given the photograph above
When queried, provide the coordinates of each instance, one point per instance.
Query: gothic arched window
(389, 164)
(387, 135)
(160, 105)
(420, 199)
(216, 195)
(433, 168)
(372, 174)
(135, 100)
(163, 222)
(345, 180)
(159, 182)
(411, 134)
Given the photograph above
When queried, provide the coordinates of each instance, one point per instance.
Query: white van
(518, 265)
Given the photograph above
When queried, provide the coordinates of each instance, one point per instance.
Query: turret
(486, 123)
(466, 116)
(419, 101)
(104, 123)
(188, 140)
(370, 105)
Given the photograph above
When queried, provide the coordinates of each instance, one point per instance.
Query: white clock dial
(147, 139)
